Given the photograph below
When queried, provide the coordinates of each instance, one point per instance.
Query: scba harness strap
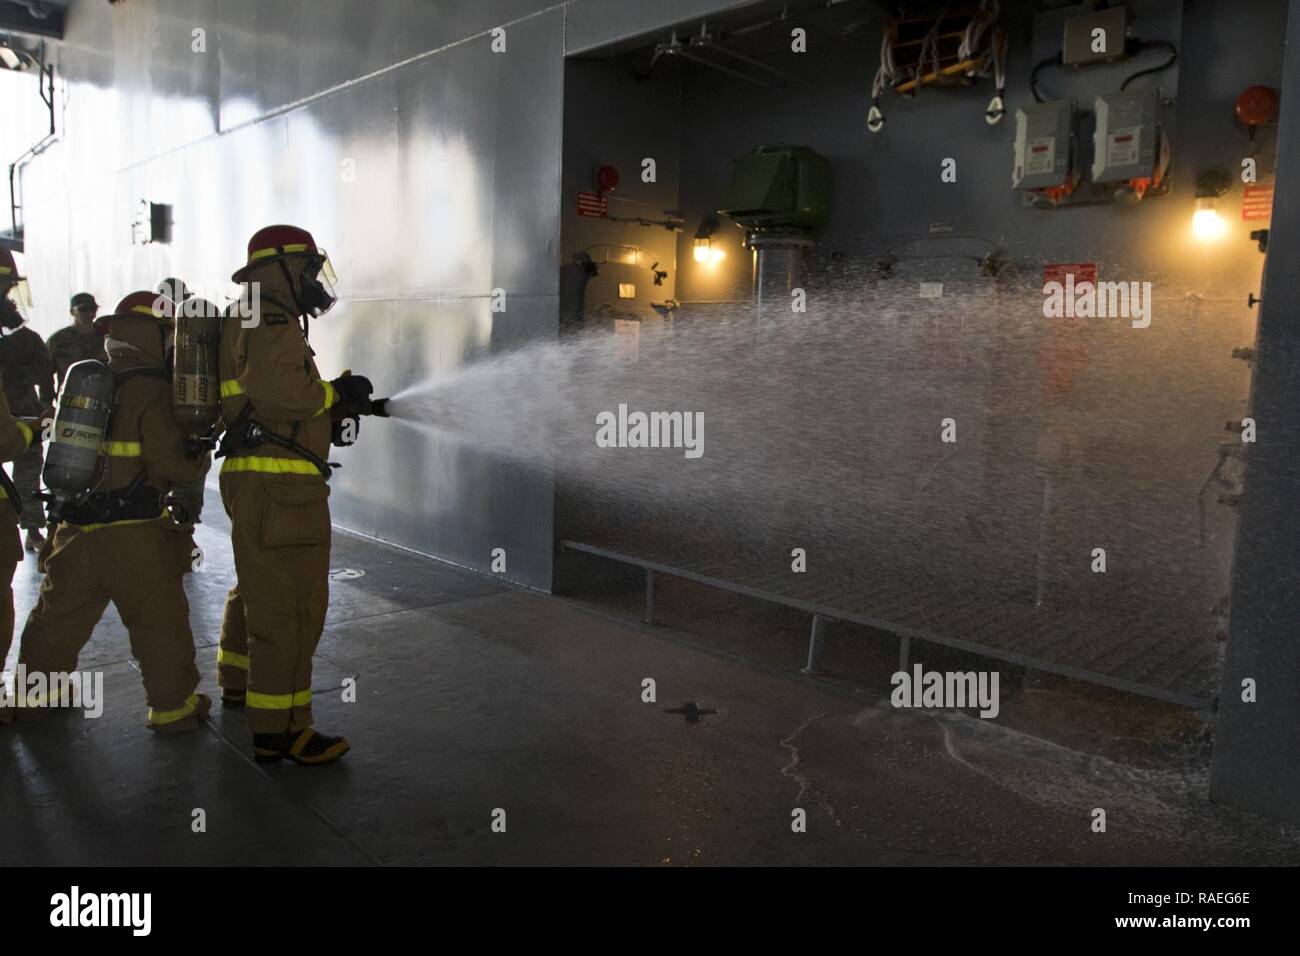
(138, 502)
(11, 491)
(245, 434)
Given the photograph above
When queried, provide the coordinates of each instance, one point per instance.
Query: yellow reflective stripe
(26, 430)
(278, 250)
(121, 449)
(119, 524)
(171, 716)
(270, 466)
(4, 495)
(231, 387)
(278, 701)
(145, 310)
(5, 270)
(269, 701)
(231, 659)
(81, 401)
(331, 397)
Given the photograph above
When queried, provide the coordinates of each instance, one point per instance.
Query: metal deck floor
(1125, 641)
(474, 695)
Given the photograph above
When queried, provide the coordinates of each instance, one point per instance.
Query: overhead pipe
(674, 47)
(33, 18)
(16, 167)
(710, 42)
(705, 61)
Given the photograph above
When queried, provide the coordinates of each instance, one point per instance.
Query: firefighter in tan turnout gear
(280, 418)
(15, 438)
(115, 542)
(29, 387)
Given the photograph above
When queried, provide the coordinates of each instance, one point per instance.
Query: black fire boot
(183, 720)
(302, 746)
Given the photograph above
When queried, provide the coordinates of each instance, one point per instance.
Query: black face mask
(313, 295)
(309, 294)
(10, 317)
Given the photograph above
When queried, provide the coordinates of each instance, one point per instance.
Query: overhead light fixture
(704, 251)
(1207, 224)
(12, 60)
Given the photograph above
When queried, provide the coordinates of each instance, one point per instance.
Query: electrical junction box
(1126, 144)
(1099, 37)
(1044, 137)
(779, 189)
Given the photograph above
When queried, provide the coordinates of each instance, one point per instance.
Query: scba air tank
(80, 427)
(196, 393)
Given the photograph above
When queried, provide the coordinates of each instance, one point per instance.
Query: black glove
(354, 395)
(197, 448)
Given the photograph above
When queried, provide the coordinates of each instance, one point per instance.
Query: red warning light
(606, 178)
(1257, 106)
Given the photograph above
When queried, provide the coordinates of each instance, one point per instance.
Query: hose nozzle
(379, 408)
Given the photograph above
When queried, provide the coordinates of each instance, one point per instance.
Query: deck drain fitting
(695, 714)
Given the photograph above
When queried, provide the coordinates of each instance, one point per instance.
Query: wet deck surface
(473, 696)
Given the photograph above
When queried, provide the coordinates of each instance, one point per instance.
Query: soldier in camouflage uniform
(78, 341)
(29, 386)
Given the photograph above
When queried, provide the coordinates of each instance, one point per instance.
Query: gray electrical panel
(1095, 37)
(1044, 134)
(1127, 141)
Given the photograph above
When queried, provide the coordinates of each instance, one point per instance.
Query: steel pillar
(1257, 745)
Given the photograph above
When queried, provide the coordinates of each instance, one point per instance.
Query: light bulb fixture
(1207, 224)
(703, 249)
